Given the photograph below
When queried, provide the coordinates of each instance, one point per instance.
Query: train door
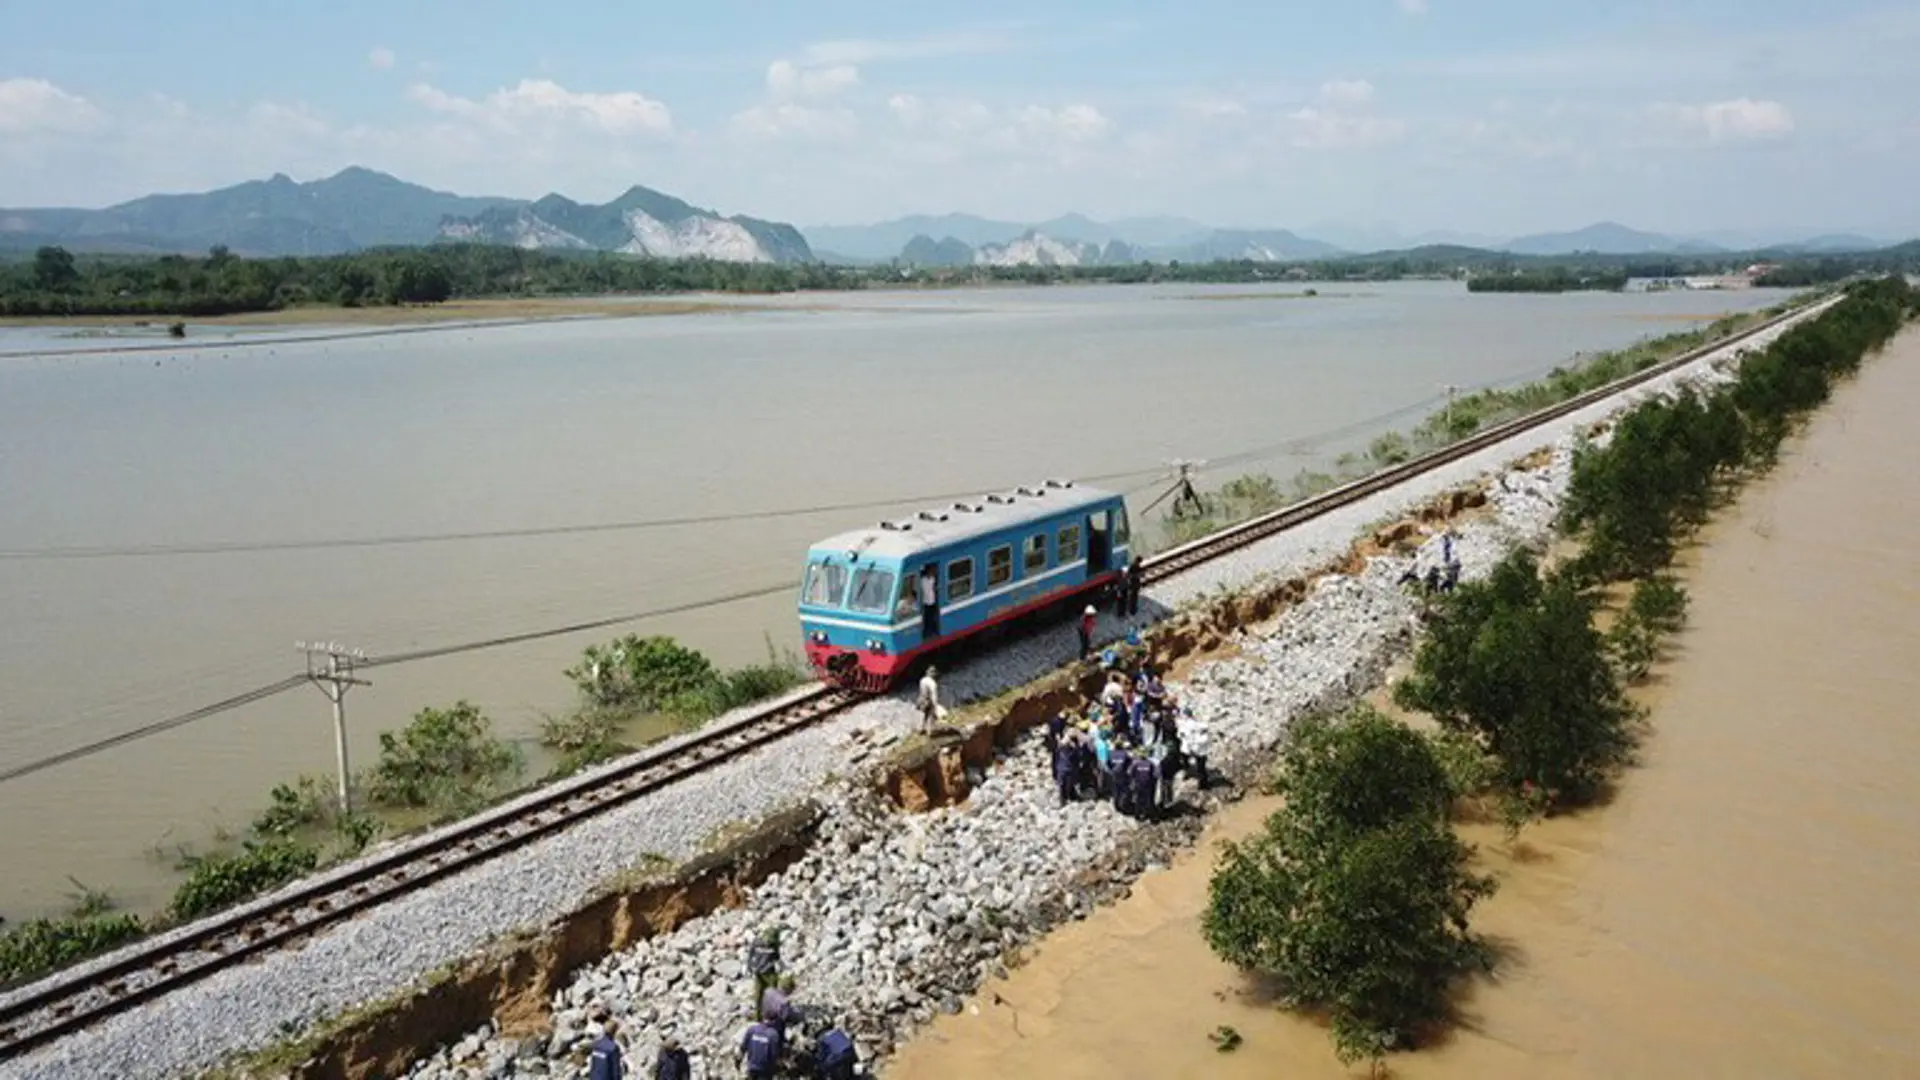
(1099, 544)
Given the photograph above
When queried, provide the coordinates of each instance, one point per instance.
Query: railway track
(65, 1004)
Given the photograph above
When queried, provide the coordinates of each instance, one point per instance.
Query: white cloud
(786, 118)
(36, 105)
(381, 57)
(950, 115)
(1318, 128)
(1075, 122)
(786, 80)
(1346, 92)
(622, 112)
(1414, 7)
(1219, 108)
(1739, 120)
(867, 50)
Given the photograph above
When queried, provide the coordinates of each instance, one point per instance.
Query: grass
(1253, 494)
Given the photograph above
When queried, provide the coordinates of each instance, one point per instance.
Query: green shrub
(219, 881)
(444, 758)
(89, 928)
(307, 802)
(1660, 602)
(1358, 771)
(1373, 930)
(1516, 661)
(643, 674)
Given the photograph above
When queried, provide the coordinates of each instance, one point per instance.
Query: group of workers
(767, 1049)
(1443, 567)
(1129, 747)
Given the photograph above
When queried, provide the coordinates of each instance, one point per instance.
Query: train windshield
(825, 584)
(872, 591)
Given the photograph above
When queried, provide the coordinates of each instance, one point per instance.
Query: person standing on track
(1132, 588)
(1087, 619)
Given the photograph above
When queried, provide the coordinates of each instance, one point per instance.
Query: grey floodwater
(828, 400)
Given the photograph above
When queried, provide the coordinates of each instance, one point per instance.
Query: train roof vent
(1032, 493)
(896, 526)
(1059, 483)
(931, 515)
(967, 508)
(1001, 500)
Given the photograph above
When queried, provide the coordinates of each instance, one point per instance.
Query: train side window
(1120, 530)
(909, 603)
(1000, 565)
(1069, 544)
(1035, 557)
(826, 583)
(959, 580)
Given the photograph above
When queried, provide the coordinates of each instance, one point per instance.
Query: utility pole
(330, 667)
(1188, 497)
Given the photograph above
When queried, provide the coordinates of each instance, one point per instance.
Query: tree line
(56, 283)
(1553, 279)
(1355, 897)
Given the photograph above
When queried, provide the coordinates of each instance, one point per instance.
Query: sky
(1499, 117)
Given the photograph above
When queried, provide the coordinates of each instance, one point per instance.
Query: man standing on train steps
(929, 603)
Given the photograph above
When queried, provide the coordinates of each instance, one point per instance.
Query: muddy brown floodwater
(1744, 908)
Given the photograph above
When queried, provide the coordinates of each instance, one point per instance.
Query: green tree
(54, 270)
(1372, 930)
(445, 757)
(647, 674)
(1516, 661)
(1351, 774)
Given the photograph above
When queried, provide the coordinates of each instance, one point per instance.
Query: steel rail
(63, 1005)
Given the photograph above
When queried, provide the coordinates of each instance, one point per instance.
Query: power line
(1155, 476)
(223, 547)
(14, 772)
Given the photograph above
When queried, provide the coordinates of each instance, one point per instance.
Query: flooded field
(1744, 908)
(300, 475)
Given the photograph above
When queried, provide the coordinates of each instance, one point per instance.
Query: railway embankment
(890, 916)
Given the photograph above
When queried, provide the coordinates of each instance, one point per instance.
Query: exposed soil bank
(1744, 908)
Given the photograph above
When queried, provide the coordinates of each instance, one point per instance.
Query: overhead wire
(1155, 477)
(221, 547)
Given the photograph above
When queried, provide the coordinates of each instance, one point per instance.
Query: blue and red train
(983, 564)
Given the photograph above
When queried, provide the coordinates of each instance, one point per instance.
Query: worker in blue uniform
(761, 1050)
(603, 1059)
(834, 1057)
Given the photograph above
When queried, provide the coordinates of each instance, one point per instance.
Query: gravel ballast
(889, 917)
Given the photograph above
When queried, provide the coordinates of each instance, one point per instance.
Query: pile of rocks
(890, 919)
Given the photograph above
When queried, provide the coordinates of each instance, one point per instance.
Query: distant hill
(924, 250)
(359, 208)
(640, 222)
(1605, 238)
(354, 208)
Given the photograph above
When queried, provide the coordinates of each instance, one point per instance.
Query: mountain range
(359, 208)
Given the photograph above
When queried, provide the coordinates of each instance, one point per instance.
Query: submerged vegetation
(1355, 896)
(1359, 857)
(1257, 493)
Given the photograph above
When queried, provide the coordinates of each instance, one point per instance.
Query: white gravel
(879, 937)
